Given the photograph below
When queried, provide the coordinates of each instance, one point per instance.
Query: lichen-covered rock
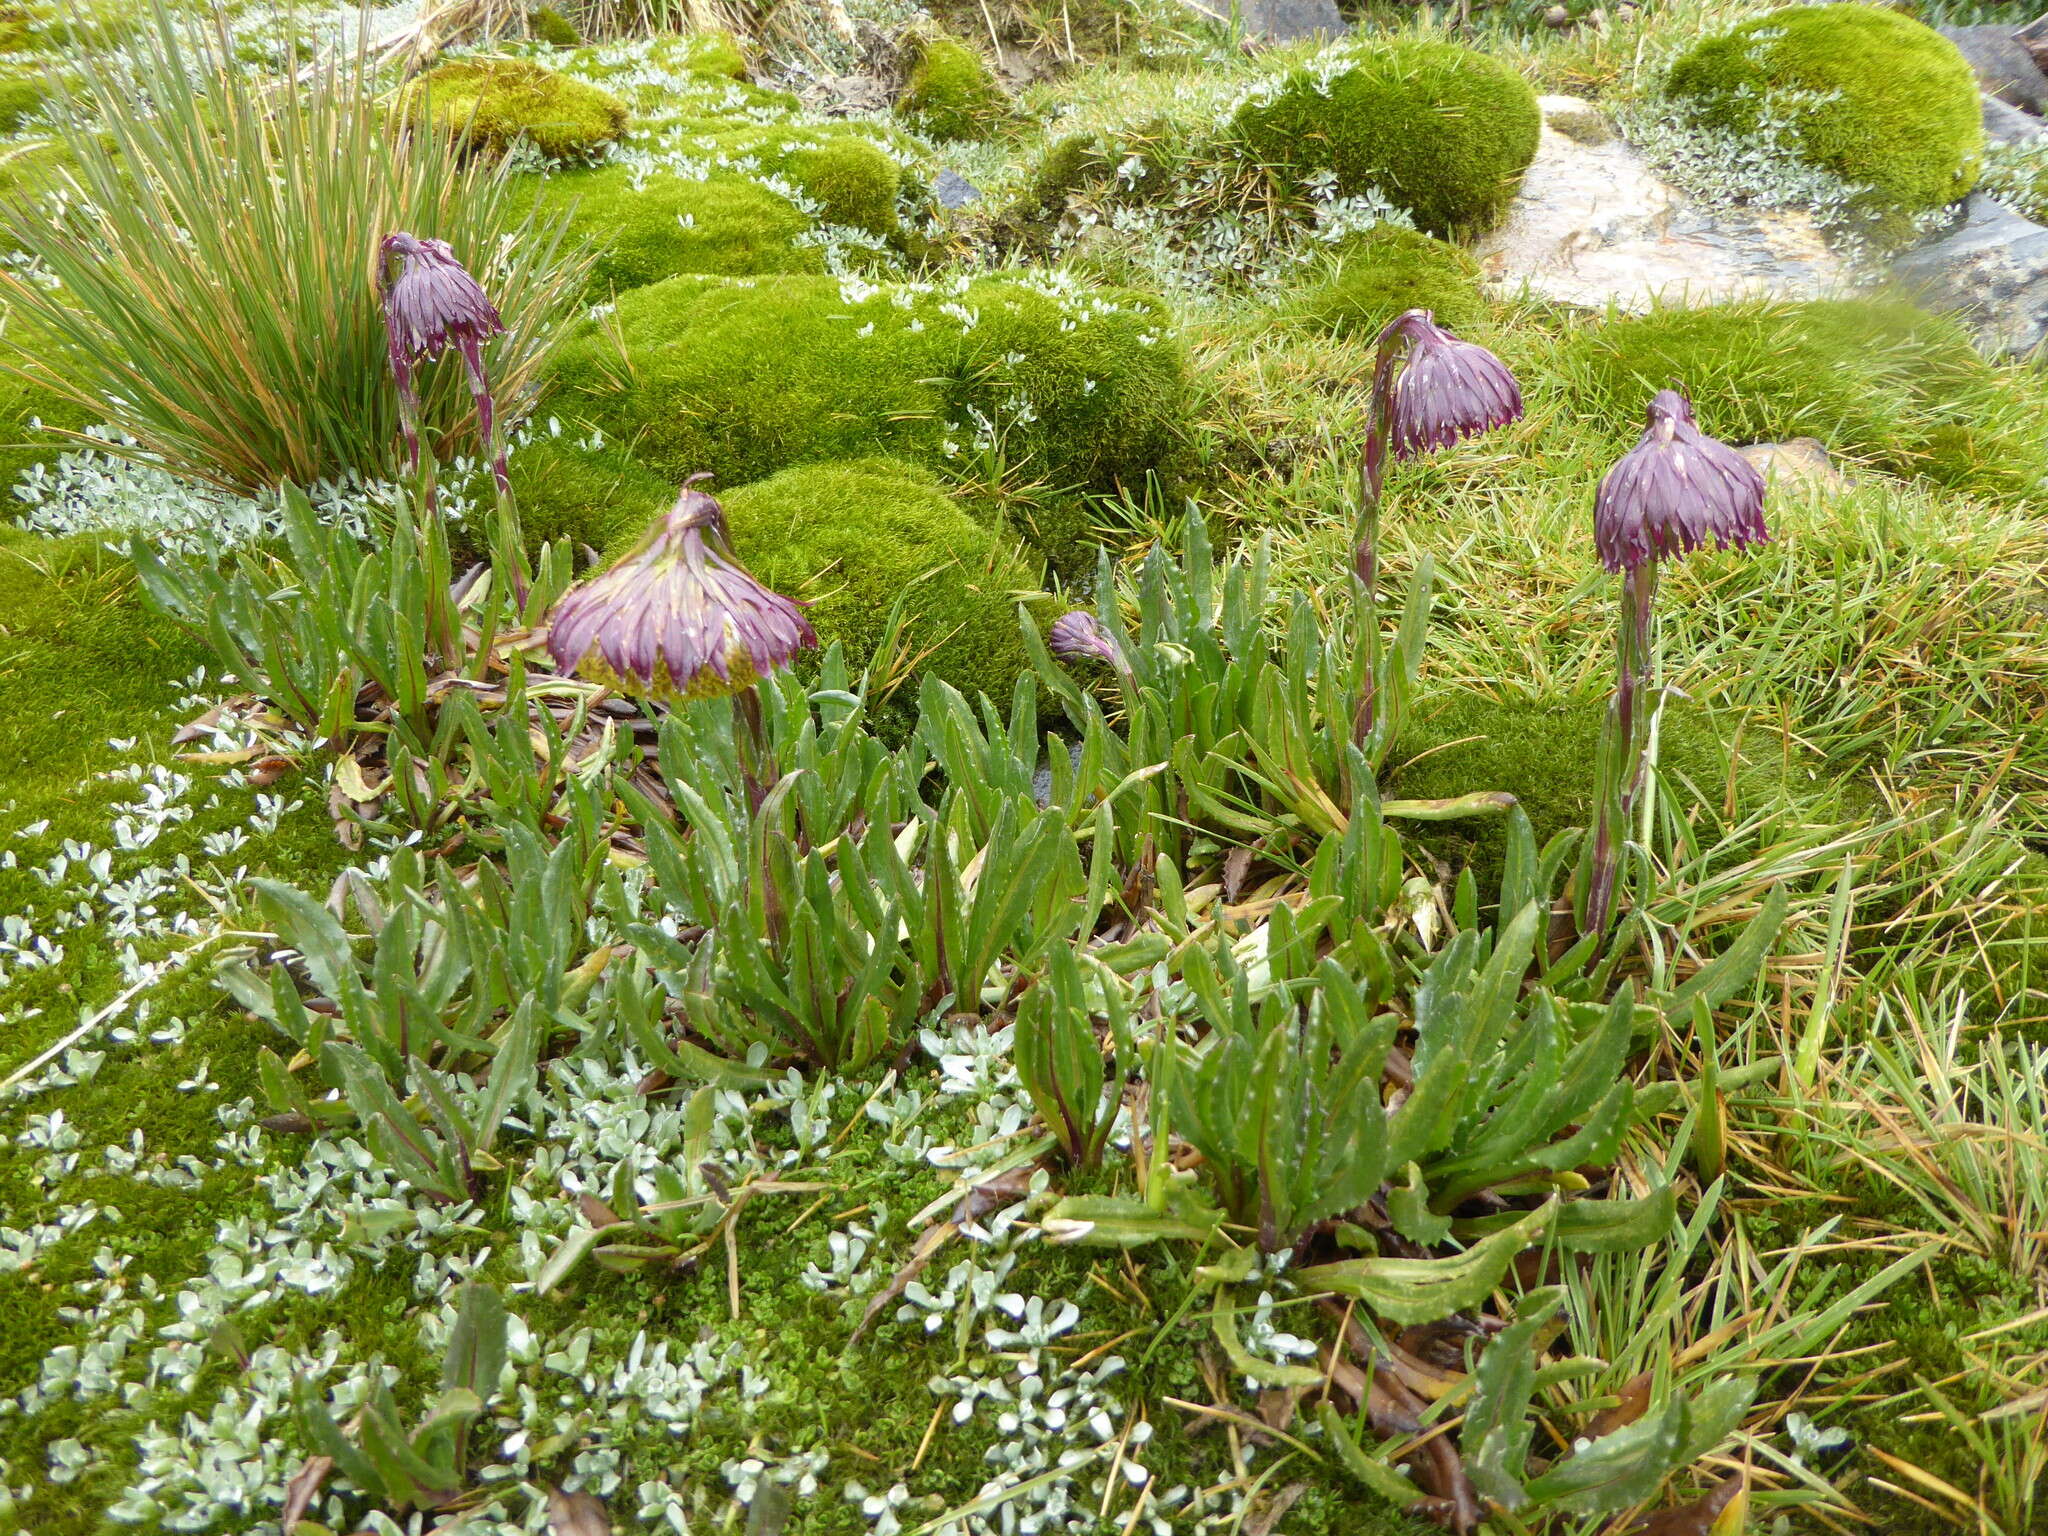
(1869, 95)
(493, 104)
(852, 539)
(646, 228)
(1440, 130)
(951, 93)
(1039, 379)
(1374, 276)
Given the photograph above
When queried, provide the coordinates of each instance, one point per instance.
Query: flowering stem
(750, 735)
(1624, 741)
(1393, 346)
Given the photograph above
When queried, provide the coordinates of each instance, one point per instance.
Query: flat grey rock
(1990, 271)
(2004, 66)
(1289, 21)
(954, 190)
(2006, 124)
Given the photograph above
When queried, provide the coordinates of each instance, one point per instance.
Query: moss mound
(1877, 381)
(1440, 130)
(550, 26)
(952, 94)
(572, 492)
(21, 97)
(33, 418)
(1544, 752)
(853, 538)
(645, 231)
(853, 180)
(1060, 384)
(491, 104)
(1377, 275)
(1872, 96)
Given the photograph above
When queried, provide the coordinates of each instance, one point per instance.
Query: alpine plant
(1429, 391)
(1676, 491)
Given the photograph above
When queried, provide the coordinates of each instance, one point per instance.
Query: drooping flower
(430, 304)
(1675, 490)
(1448, 390)
(1080, 636)
(679, 617)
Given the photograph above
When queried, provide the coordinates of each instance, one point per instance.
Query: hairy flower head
(1450, 389)
(679, 617)
(1675, 490)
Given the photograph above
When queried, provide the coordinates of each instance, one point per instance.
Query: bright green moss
(491, 104)
(1876, 381)
(33, 418)
(1872, 96)
(851, 539)
(643, 232)
(1543, 752)
(33, 168)
(595, 497)
(1379, 274)
(951, 93)
(1440, 130)
(853, 180)
(1068, 387)
(550, 26)
(21, 97)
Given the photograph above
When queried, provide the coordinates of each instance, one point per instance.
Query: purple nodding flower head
(1079, 635)
(1674, 490)
(1450, 389)
(679, 617)
(430, 304)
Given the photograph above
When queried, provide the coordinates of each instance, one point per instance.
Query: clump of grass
(248, 350)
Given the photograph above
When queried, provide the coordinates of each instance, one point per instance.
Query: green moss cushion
(21, 97)
(1871, 95)
(550, 26)
(852, 538)
(853, 180)
(1440, 130)
(646, 228)
(1880, 383)
(1051, 382)
(491, 104)
(585, 495)
(34, 420)
(951, 94)
(1377, 275)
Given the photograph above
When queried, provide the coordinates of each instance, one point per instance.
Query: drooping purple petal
(679, 617)
(1675, 490)
(433, 303)
(1448, 391)
(1080, 636)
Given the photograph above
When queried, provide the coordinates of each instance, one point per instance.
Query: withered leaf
(576, 1514)
(1635, 1402)
(303, 1488)
(1697, 1518)
(1274, 1510)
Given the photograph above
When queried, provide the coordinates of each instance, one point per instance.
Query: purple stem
(1392, 350)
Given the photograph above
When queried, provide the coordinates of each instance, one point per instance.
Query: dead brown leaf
(1274, 1510)
(576, 1514)
(1635, 1402)
(303, 1488)
(1697, 1518)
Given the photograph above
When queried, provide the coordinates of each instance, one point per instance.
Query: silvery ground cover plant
(940, 772)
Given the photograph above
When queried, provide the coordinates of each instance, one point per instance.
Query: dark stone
(2004, 66)
(2004, 124)
(954, 190)
(1289, 21)
(1990, 271)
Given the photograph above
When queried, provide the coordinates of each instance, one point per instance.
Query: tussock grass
(247, 350)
